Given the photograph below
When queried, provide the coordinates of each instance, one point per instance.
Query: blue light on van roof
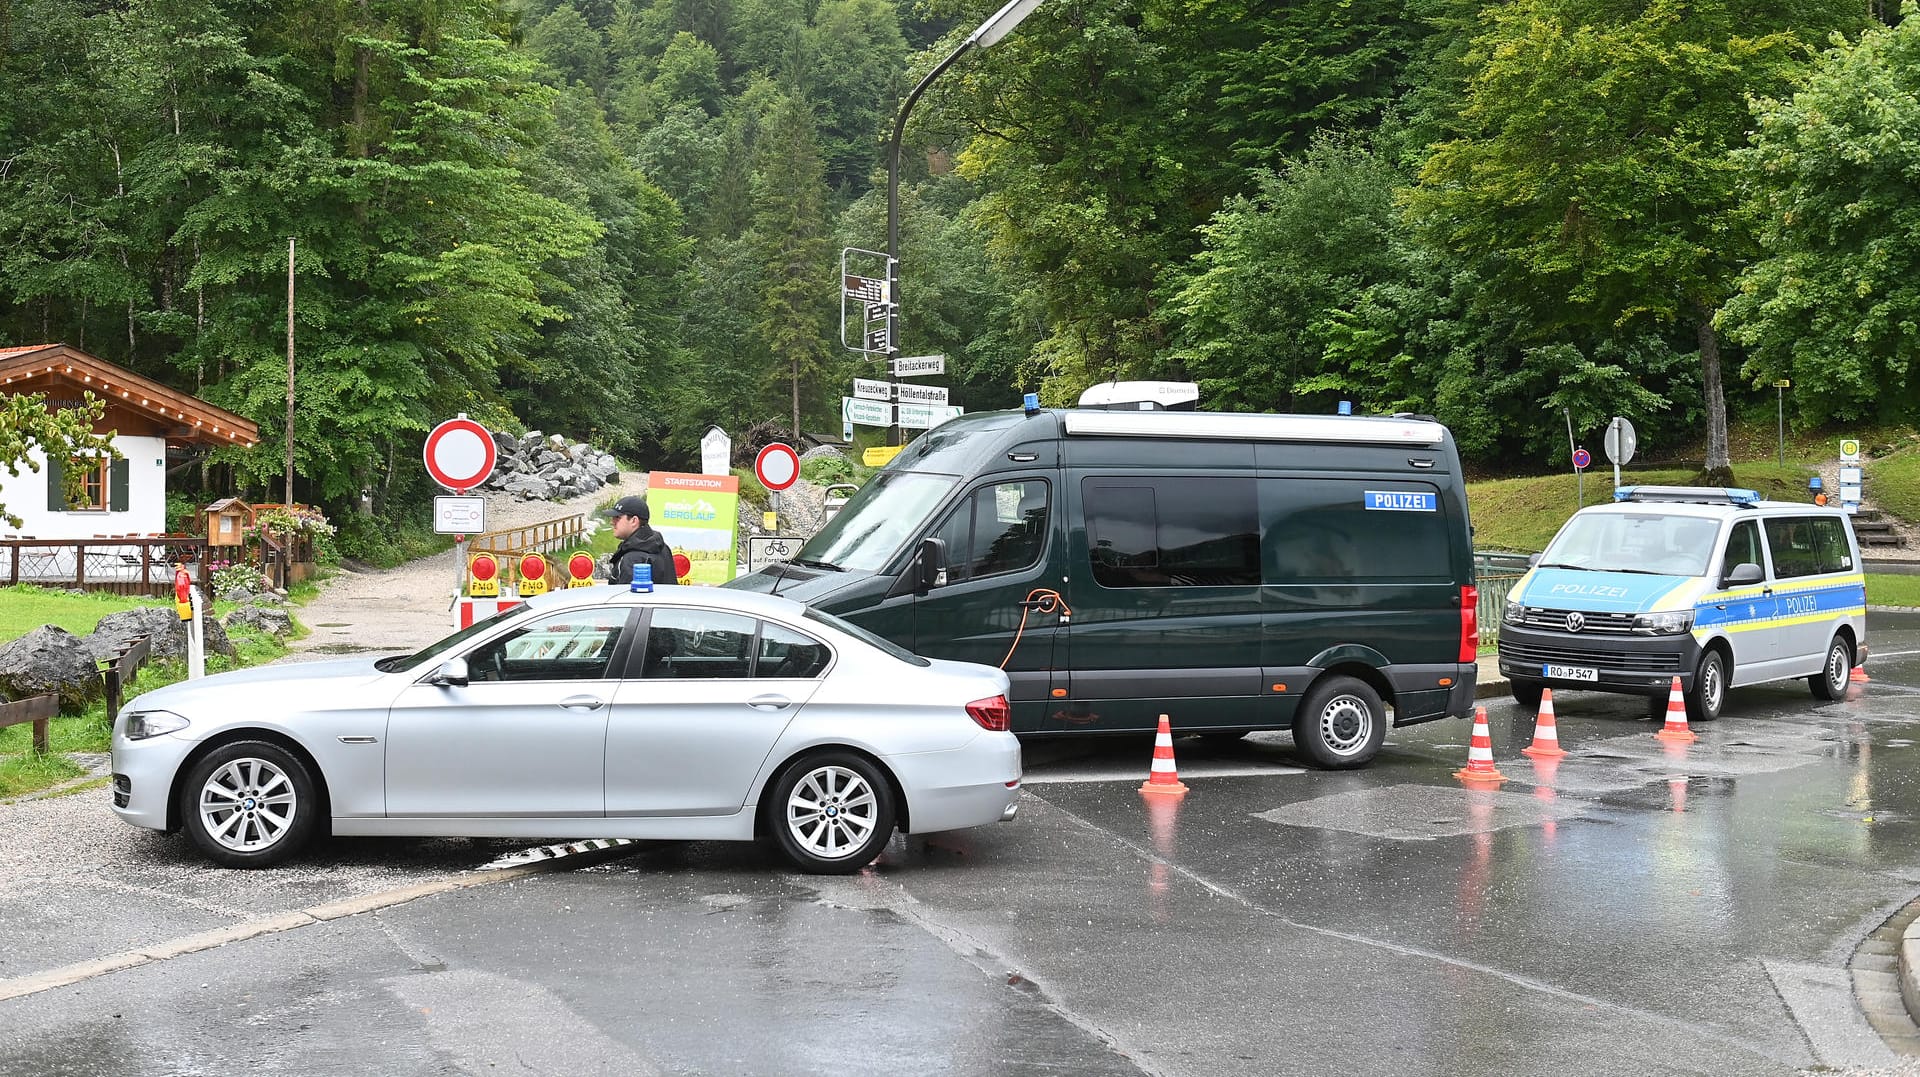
(1698, 495)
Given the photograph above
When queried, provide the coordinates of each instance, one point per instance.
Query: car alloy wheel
(248, 805)
(830, 812)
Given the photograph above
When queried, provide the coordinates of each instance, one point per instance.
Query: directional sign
(877, 311)
(459, 515)
(865, 289)
(866, 412)
(879, 455)
(777, 467)
(460, 454)
(926, 416)
(877, 340)
(871, 389)
(923, 394)
(913, 366)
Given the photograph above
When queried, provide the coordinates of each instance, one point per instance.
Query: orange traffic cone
(1163, 778)
(1858, 675)
(1676, 727)
(1479, 766)
(1546, 735)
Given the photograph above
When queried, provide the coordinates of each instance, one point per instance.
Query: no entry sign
(459, 454)
(777, 467)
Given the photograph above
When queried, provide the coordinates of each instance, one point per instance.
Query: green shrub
(826, 470)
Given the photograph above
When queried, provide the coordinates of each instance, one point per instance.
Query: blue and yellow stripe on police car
(1746, 609)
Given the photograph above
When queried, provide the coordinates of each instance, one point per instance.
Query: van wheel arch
(323, 807)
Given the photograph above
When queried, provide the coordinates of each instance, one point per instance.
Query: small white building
(123, 497)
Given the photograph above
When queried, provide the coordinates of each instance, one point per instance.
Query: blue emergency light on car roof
(1696, 495)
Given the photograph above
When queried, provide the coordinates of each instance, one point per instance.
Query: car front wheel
(249, 804)
(1831, 682)
(1526, 693)
(1340, 724)
(1709, 688)
(830, 813)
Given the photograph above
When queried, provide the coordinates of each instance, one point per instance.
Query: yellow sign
(483, 576)
(1783, 383)
(580, 568)
(770, 521)
(878, 455)
(534, 573)
(1849, 447)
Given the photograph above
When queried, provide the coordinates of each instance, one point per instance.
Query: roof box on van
(1142, 396)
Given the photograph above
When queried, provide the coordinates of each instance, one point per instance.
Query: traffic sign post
(777, 467)
(1581, 458)
(1621, 441)
(764, 550)
(459, 454)
(1780, 406)
(866, 412)
(914, 366)
(459, 515)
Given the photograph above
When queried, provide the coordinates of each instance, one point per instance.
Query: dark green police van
(1235, 572)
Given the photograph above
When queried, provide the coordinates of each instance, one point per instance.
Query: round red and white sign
(460, 454)
(777, 467)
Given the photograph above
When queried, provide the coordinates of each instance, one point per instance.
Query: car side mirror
(1743, 573)
(1533, 559)
(930, 568)
(451, 672)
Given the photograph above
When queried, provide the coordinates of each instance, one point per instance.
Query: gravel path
(410, 606)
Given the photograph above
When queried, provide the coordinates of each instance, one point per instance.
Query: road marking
(167, 949)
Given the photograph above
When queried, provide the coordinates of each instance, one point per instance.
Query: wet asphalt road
(1640, 910)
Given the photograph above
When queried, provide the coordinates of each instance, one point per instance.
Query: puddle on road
(1421, 812)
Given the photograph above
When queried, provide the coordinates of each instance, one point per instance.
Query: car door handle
(582, 703)
(769, 703)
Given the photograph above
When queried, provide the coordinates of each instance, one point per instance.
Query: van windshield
(1648, 543)
(889, 510)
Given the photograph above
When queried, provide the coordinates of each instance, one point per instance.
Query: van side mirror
(1744, 573)
(930, 568)
(1533, 559)
(451, 672)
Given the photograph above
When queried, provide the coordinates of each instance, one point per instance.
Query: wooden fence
(121, 564)
(117, 671)
(549, 536)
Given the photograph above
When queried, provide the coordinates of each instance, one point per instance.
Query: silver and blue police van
(1712, 585)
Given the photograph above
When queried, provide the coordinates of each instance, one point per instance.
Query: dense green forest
(622, 219)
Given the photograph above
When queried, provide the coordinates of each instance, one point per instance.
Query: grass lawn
(1889, 589)
(21, 771)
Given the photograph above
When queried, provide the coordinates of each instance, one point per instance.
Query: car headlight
(1664, 624)
(1515, 614)
(144, 724)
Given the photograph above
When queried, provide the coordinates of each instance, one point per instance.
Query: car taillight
(991, 713)
(1469, 624)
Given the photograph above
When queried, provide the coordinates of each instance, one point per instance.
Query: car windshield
(867, 637)
(1649, 543)
(395, 663)
(890, 509)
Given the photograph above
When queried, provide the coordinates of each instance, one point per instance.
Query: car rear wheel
(830, 813)
(249, 804)
(1340, 724)
(1831, 682)
(1709, 688)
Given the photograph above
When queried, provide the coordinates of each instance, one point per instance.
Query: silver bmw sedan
(682, 713)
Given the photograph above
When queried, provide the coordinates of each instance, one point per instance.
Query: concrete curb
(167, 949)
(1908, 957)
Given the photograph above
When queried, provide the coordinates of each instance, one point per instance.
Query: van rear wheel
(1340, 724)
(1830, 684)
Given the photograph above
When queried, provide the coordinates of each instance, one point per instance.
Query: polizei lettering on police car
(1591, 590)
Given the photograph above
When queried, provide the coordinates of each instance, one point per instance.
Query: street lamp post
(985, 35)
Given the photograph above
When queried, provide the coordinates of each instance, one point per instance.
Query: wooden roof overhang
(136, 405)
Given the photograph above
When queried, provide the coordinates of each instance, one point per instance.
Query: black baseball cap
(630, 505)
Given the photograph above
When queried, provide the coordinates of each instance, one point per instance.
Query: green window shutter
(56, 497)
(117, 486)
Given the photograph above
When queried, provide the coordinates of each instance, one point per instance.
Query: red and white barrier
(468, 610)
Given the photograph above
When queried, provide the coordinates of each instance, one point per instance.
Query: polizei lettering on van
(1394, 501)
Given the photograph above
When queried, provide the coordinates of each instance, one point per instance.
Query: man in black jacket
(639, 544)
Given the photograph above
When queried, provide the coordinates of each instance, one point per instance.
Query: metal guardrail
(1494, 573)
